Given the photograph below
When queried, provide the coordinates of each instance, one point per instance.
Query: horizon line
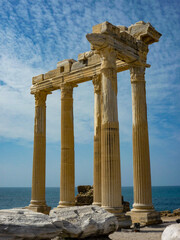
(85, 185)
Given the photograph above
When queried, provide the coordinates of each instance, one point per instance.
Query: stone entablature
(130, 43)
(82, 73)
(113, 49)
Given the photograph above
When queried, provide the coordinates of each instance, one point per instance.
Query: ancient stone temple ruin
(113, 49)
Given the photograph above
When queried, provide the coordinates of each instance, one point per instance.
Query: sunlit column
(110, 149)
(97, 141)
(38, 202)
(141, 158)
(67, 184)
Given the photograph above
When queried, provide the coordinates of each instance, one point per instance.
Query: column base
(124, 220)
(145, 217)
(39, 208)
(97, 204)
(137, 207)
(64, 204)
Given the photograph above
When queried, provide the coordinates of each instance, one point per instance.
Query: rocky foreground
(86, 222)
(75, 222)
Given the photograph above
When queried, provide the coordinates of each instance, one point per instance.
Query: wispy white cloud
(35, 36)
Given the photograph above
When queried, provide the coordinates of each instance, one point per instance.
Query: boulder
(84, 188)
(172, 232)
(84, 221)
(85, 195)
(20, 223)
(82, 200)
(165, 213)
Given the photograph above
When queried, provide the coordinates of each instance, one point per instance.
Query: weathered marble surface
(72, 222)
(171, 232)
(20, 223)
(85, 221)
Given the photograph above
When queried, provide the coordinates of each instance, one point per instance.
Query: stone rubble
(85, 221)
(18, 223)
(176, 212)
(73, 222)
(168, 213)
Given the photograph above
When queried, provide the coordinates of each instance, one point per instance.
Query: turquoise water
(164, 198)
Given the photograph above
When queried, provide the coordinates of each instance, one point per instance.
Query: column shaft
(67, 184)
(97, 142)
(110, 151)
(141, 158)
(38, 202)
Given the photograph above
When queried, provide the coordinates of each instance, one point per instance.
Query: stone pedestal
(143, 210)
(38, 202)
(97, 141)
(145, 218)
(111, 198)
(67, 183)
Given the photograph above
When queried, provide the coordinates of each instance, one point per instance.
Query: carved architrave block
(144, 32)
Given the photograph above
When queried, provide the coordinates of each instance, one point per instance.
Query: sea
(163, 198)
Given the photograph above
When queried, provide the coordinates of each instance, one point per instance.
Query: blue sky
(34, 36)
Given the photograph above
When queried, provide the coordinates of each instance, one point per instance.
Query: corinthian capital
(40, 98)
(67, 90)
(108, 58)
(137, 73)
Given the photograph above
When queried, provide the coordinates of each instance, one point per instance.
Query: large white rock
(19, 223)
(172, 232)
(84, 221)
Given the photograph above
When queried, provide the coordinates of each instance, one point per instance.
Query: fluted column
(110, 149)
(97, 141)
(38, 202)
(141, 158)
(67, 184)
